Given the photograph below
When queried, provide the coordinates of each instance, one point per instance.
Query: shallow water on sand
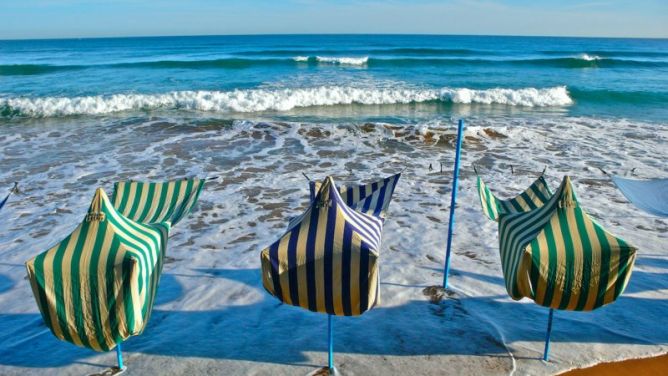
(212, 314)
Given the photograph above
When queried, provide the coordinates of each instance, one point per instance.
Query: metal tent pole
(330, 358)
(453, 200)
(119, 356)
(546, 353)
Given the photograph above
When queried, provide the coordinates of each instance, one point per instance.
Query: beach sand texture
(212, 315)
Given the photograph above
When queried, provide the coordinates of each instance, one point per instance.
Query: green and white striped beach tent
(157, 202)
(533, 197)
(96, 288)
(558, 256)
(327, 261)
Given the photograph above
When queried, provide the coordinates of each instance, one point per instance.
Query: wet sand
(638, 367)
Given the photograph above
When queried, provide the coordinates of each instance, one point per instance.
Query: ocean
(331, 75)
(259, 112)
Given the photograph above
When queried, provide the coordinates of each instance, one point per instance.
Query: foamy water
(257, 100)
(212, 312)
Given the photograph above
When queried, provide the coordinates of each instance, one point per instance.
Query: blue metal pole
(546, 353)
(330, 358)
(119, 356)
(453, 201)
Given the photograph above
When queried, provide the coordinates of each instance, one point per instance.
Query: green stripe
(551, 267)
(41, 289)
(75, 283)
(147, 203)
(569, 263)
(93, 271)
(127, 265)
(605, 265)
(112, 304)
(174, 200)
(161, 204)
(58, 288)
(529, 201)
(137, 188)
(587, 259)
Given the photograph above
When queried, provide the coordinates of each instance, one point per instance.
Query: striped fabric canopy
(157, 202)
(372, 198)
(533, 197)
(96, 288)
(327, 261)
(561, 258)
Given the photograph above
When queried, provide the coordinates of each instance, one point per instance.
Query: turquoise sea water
(257, 112)
(335, 76)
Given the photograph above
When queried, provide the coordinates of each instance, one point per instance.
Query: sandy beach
(212, 315)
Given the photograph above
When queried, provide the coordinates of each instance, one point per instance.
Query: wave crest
(258, 100)
(342, 60)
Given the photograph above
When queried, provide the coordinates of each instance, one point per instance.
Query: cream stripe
(595, 279)
(373, 280)
(156, 201)
(142, 204)
(168, 197)
(560, 281)
(70, 309)
(337, 264)
(118, 193)
(49, 286)
(578, 261)
(132, 187)
(118, 293)
(543, 270)
(320, 260)
(614, 268)
(302, 281)
(102, 283)
(520, 200)
(355, 274)
(84, 284)
(283, 275)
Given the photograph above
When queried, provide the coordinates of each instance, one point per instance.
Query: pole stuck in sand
(453, 200)
(119, 357)
(546, 353)
(330, 357)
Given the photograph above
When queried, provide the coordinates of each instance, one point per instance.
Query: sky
(24, 19)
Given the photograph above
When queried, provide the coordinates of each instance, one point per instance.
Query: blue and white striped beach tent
(327, 261)
(372, 198)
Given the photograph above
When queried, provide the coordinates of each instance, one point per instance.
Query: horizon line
(329, 34)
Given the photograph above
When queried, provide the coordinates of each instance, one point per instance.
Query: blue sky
(90, 18)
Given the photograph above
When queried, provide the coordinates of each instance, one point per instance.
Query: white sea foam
(342, 60)
(588, 57)
(300, 58)
(256, 100)
(210, 286)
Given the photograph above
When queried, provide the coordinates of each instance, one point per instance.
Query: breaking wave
(257, 100)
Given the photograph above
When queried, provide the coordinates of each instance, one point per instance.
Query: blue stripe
(310, 259)
(362, 192)
(273, 258)
(292, 264)
(367, 201)
(381, 199)
(350, 197)
(345, 268)
(329, 258)
(364, 278)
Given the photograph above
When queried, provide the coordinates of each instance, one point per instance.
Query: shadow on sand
(259, 331)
